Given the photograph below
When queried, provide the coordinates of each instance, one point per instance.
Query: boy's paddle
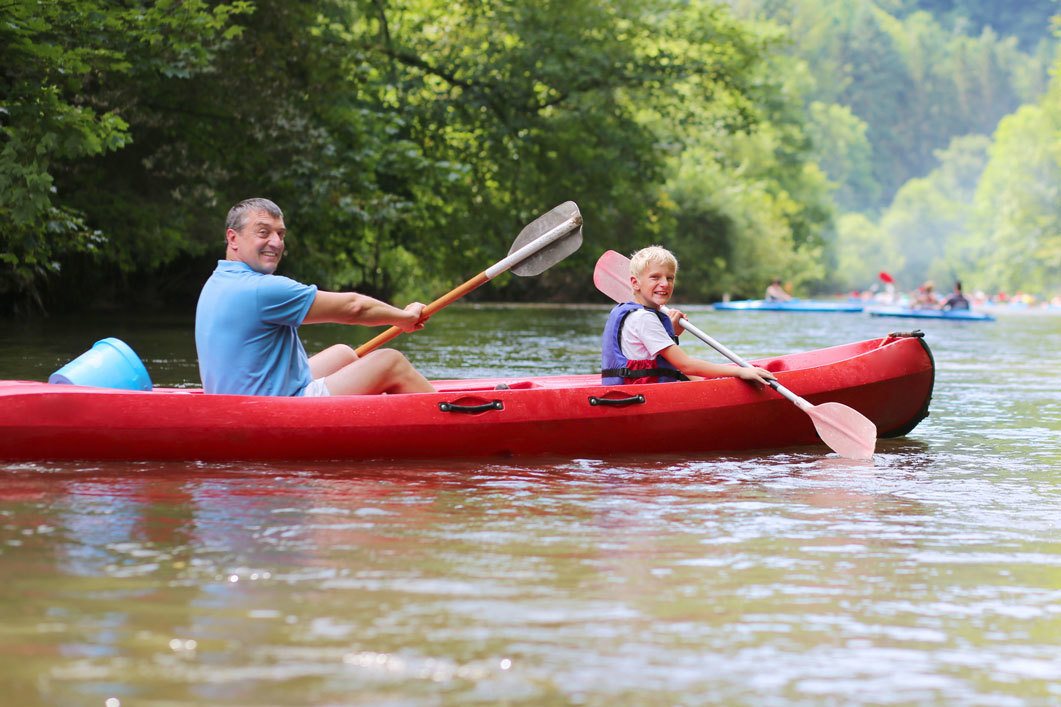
(845, 430)
(542, 243)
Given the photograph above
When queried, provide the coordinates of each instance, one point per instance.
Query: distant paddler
(776, 293)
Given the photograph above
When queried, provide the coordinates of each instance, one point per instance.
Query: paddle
(542, 243)
(846, 431)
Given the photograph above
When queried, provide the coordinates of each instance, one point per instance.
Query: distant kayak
(795, 305)
(957, 314)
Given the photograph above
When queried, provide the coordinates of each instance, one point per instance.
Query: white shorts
(316, 389)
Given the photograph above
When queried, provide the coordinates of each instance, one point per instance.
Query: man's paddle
(542, 243)
(845, 430)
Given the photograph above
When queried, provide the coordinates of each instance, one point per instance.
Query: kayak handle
(617, 402)
(455, 407)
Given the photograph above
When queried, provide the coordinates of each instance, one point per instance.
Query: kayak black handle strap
(456, 407)
(617, 402)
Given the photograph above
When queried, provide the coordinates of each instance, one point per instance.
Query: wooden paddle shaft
(448, 298)
(540, 243)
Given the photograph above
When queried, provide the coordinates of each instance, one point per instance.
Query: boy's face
(654, 287)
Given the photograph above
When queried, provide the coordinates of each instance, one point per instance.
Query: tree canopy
(408, 141)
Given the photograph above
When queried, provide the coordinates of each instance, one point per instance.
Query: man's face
(654, 287)
(259, 244)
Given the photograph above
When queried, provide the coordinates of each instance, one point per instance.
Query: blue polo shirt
(246, 332)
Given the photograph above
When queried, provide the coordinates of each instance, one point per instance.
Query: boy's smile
(654, 287)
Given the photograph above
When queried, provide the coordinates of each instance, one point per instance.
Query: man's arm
(354, 308)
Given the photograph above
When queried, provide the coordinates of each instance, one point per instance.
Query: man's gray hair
(237, 215)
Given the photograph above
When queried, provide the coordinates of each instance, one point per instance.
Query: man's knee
(395, 360)
(344, 351)
(339, 354)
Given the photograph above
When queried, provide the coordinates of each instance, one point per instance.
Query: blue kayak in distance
(963, 315)
(794, 305)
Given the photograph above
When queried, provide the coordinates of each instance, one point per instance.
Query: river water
(931, 575)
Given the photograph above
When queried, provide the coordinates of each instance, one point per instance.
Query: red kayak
(888, 380)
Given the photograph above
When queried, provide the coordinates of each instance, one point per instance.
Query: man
(776, 293)
(926, 296)
(247, 319)
(956, 300)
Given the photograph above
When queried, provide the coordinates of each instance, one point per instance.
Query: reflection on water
(931, 574)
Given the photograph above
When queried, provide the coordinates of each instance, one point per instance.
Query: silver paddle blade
(554, 252)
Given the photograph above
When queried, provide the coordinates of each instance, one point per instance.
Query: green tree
(863, 251)
(914, 83)
(842, 148)
(407, 142)
(733, 234)
(1028, 20)
(928, 214)
(1016, 242)
(553, 101)
(56, 59)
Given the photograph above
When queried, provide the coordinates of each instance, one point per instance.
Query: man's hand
(416, 320)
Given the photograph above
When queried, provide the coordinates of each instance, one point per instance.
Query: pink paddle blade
(612, 276)
(845, 430)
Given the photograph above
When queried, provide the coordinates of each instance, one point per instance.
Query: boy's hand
(676, 315)
(756, 375)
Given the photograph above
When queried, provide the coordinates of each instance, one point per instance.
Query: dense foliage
(940, 135)
(1026, 20)
(71, 75)
(409, 141)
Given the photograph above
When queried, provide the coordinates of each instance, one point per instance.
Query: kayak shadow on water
(344, 481)
(635, 468)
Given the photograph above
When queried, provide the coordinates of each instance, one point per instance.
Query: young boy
(640, 343)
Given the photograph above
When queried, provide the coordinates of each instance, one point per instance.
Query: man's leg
(381, 371)
(331, 360)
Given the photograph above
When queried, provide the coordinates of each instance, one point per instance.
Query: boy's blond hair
(652, 254)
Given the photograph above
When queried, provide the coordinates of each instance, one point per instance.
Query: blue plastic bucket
(110, 363)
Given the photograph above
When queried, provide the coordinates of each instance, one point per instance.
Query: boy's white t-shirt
(643, 336)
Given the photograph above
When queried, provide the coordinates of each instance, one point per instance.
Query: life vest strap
(625, 372)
